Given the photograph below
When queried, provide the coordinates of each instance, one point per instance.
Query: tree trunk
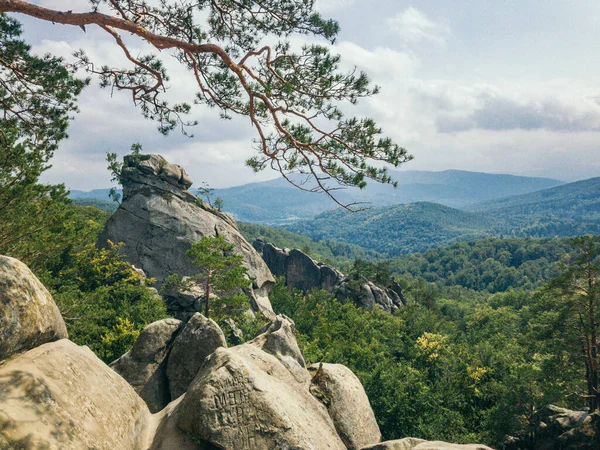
(207, 296)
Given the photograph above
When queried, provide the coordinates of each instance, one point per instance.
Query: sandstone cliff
(159, 219)
(302, 272)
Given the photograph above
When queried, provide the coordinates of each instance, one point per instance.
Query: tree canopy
(294, 98)
(37, 99)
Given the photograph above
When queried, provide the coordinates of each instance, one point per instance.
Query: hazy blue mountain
(277, 202)
(568, 210)
(580, 199)
(96, 194)
(398, 229)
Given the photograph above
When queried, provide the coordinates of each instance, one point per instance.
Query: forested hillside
(568, 210)
(461, 364)
(398, 229)
(276, 202)
(492, 265)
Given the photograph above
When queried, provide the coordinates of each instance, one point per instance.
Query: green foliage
(37, 99)
(105, 303)
(205, 191)
(451, 365)
(493, 265)
(397, 229)
(336, 253)
(221, 273)
(565, 211)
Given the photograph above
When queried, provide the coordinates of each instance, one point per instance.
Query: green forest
(502, 298)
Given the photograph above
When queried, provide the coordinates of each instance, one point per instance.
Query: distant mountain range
(400, 225)
(277, 202)
(568, 210)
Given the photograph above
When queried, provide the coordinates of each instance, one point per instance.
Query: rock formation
(420, 444)
(145, 365)
(254, 396)
(346, 401)
(61, 396)
(557, 427)
(302, 272)
(28, 315)
(200, 337)
(159, 219)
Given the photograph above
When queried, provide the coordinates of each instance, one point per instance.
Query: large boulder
(159, 219)
(145, 365)
(199, 338)
(347, 403)
(60, 396)
(168, 436)
(28, 315)
(244, 398)
(278, 338)
(420, 444)
(254, 396)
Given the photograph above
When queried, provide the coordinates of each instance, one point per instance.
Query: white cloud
(415, 27)
(328, 6)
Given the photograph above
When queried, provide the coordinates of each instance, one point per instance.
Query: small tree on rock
(221, 270)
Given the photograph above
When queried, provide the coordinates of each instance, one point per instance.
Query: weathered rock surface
(28, 315)
(302, 272)
(420, 444)
(145, 365)
(61, 396)
(279, 339)
(347, 403)
(168, 436)
(257, 395)
(560, 428)
(244, 398)
(159, 219)
(199, 338)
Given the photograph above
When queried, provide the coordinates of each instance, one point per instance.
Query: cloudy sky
(506, 86)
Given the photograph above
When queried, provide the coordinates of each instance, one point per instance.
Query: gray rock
(159, 219)
(169, 436)
(400, 444)
(28, 315)
(420, 444)
(59, 396)
(346, 401)
(244, 398)
(233, 332)
(145, 365)
(199, 338)
(304, 273)
(279, 339)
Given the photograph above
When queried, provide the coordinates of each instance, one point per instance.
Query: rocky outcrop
(258, 395)
(279, 339)
(246, 398)
(28, 315)
(346, 401)
(60, 396)
(420, 444)
(199, 338)
(559, 428)
(159, 219)
(145, 365)
(302, 272)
